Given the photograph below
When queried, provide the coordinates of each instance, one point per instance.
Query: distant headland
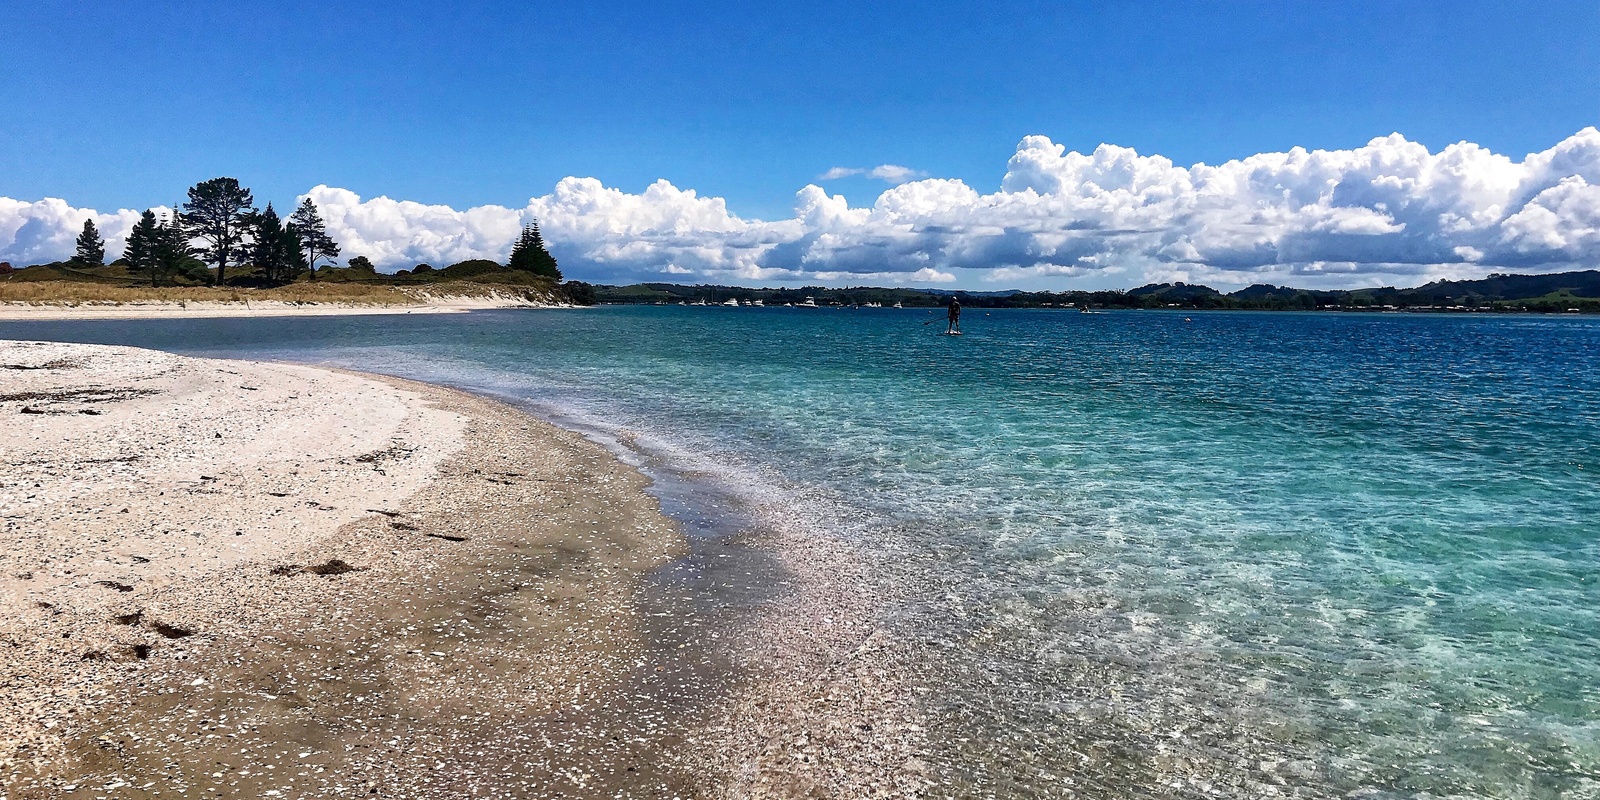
(1562, 292)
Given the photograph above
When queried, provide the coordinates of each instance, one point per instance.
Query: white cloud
(892, 174)
(47, 230)
(1389, 211)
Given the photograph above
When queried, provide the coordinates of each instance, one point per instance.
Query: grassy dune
(346, 293)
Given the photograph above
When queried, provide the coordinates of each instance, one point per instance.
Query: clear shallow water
(1310, 553)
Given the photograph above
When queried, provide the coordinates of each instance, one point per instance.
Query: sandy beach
(155, 309)
(235, 579)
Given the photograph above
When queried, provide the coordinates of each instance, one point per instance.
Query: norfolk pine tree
(528, 254)
(172, 253)
(91, 248)
(219, 212)
(522, 251)
(544, 263)
(313, 233)
(140, 252)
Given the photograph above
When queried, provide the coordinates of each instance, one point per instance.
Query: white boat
(810, 302)
(698, 302)
(757, 303)
(732, 302)
(898, 305)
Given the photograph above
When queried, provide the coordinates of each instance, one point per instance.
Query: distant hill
(1174, 292)
(1585, 284)
(1554, 292)
(1557, 292)
(1264, 291)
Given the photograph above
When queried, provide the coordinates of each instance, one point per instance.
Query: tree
(294, 256)
(161, 249)
(140, 252)
(522, 251)
(528, 254)
(173, 254)
(276, 251)
(362, 264)
(579, 293)
(219, 212)
(314, 238)
(91, 248)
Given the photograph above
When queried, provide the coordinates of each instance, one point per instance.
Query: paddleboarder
(954, 313)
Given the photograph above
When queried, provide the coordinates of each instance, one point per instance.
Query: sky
(1038, 145)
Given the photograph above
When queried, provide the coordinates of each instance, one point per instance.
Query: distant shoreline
(1196, 309)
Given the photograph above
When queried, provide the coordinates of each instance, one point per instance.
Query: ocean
(1137, 553)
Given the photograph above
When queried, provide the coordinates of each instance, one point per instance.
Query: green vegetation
(159, 250)
(1559, 292)
(275, 250)
(315, 243)
(91, 250)
(529, 254)
(246, 249)
(219, 212)
(112, 292)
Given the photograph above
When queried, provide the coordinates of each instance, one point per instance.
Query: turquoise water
(1141, 554)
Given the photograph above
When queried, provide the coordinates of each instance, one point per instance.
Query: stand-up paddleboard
(950, 333)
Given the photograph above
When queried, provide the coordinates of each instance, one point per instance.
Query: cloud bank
(1389, 211)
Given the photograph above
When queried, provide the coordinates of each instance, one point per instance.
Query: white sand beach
(156, 309)
(231, 579)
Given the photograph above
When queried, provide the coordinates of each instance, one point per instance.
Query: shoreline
(160, 309)
(521, 588)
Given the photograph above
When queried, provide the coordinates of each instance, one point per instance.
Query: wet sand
(486, 605)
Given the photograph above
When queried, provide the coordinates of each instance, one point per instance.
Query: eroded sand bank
(236, 579)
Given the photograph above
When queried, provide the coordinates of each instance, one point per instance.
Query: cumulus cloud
(892, 174)
(46, 230)
(1389, 211)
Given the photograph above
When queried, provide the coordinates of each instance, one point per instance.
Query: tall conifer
(140, 252)
(528, 254)
(313, 235)
(544, 263)
(172, 254)
(277, 251)
(91, 248)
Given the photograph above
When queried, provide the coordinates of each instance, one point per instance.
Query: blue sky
(113, 105)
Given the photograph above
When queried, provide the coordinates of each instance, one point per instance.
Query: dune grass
(52, 292)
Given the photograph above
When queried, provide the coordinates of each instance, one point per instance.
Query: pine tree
(313, 235)
(522, 252)
(528, 254)
(293, 253)
(91, 248)
(277, 251)
(267, 231)
(140, 252)
(172, 253)
(219, 212)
